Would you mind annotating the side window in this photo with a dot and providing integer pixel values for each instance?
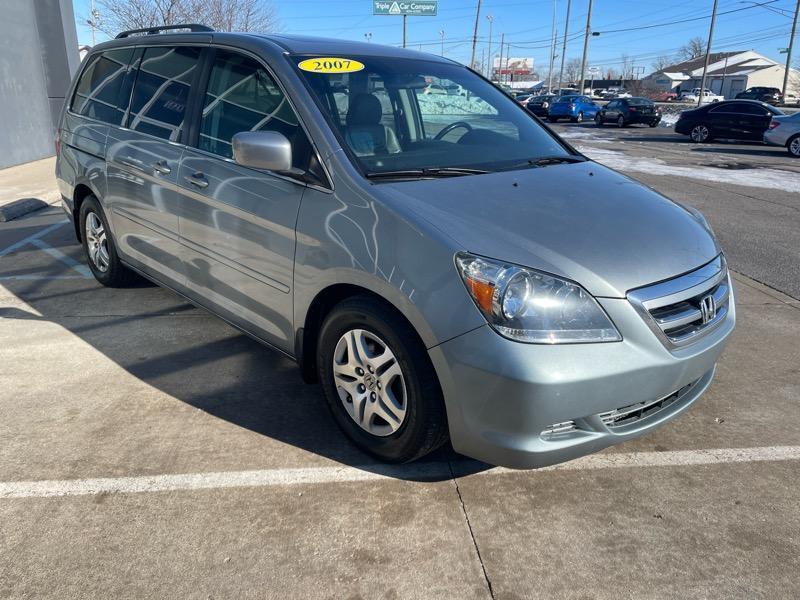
(104, 88)
(612, 105)
(753, 109)
(243, 96)
(158, 104)
(726, 109)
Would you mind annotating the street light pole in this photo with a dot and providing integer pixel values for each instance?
(500, 64)
(490, 18)
(708, 53)
(552, 50)
(441, 35)
(586, 45)
(564, 47)
(789, 51)
(405, 18)
(475, 35)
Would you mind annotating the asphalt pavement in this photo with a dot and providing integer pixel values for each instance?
(148, 450)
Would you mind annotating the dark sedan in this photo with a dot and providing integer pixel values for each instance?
(770, 95)
(731, 119)
(629, 111)
(540, 105)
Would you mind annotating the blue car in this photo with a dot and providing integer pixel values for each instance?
(575, 108)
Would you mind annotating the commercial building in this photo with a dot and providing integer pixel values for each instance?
(38, 57)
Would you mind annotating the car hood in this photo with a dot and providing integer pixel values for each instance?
(580, 221)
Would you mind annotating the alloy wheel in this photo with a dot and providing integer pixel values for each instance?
(370, 382)
(794, 147)
(579, 118)
(621, 121)
(699, 133)
(96, 242)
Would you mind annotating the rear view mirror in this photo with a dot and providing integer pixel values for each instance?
(268, 150)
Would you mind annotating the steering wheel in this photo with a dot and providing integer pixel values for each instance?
(451, 127)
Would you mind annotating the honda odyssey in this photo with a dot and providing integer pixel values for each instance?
(445, 266)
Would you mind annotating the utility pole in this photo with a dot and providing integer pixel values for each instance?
(564, 47)
(93, 22)
(441, 35)
(475, 35)
(552, 49)
(708, 53)
(500, 64)
(586, 45)
(789, 51)
(490, 18)
(405, 18)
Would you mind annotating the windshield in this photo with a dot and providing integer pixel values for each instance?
(399, 114)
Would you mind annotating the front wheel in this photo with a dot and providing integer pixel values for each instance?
(379, 382)
(621, 122)
(598, 120)
(578, 118)
(653, 123)
(700, 133)
(793, 146)
(98, 244)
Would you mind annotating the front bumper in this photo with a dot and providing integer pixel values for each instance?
(503, 397)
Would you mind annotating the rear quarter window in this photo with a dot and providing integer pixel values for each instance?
(104, 87)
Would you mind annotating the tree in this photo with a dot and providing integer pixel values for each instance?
(572, 70)
(222, 15)
(626, 67)
(694, 48)
(662, 62)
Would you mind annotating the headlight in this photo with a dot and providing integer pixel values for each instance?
(529, 306)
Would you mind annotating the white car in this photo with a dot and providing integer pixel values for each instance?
(623, 94)
(708, 96)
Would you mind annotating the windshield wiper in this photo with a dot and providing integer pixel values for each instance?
(547, 160)
(426, 172)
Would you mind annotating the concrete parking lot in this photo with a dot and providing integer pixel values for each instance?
(149, 450)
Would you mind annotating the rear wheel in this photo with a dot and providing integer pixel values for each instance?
(598, 120)
(700, 133)
(793, 145)
(653, 123)
(621, 121)
(379, 382)
(98, 244)
(578, 118)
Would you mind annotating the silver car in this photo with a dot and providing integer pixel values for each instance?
(785, 131)
(444, 266)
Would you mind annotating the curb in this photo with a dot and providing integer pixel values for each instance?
(17, 208)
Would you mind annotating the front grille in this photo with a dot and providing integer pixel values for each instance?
(683, 309)
(557, 429)
(628, 415)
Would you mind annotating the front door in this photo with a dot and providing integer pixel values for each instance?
(143, 160)
(237, 224)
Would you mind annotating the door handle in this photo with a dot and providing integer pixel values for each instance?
(162, 167)
(198, 180)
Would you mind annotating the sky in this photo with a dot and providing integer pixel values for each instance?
(643, 29)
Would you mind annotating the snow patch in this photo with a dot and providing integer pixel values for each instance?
(772, 179)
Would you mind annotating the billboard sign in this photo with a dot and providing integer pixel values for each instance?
(416, 8)
(513, 66)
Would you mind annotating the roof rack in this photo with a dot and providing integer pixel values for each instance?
(193, 27)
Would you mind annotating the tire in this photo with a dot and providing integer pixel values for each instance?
(99, 246)
(578, 118)
(793, 146)
(700, 133)
(598, 120)
(621, 122)
(552, 119)
(406, 380)
(653, 123)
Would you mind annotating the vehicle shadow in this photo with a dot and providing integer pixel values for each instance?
(198, 359)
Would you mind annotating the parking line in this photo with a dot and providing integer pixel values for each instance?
(60, 256)
(30, 238)
(380, 472)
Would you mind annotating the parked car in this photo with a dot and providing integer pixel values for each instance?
(523, 98)
(663, 96)
(629, 111)
(574, 108)
(478, 279)
(623, 94)
(770, 95)
(694, 96)
(731, 119)
(784, 130)
(540, 105)
(791, 99)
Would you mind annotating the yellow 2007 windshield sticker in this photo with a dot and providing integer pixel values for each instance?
(330, 64)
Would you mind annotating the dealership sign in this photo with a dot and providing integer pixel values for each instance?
(418, 8)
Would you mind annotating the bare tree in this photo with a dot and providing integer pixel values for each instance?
(222, 15)
(662, 62)
(626, 67)
(572, 70)
(694, 48)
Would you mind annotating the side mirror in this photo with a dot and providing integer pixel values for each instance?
(268, 150)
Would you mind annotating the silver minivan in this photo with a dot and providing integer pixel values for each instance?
(444, 265)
